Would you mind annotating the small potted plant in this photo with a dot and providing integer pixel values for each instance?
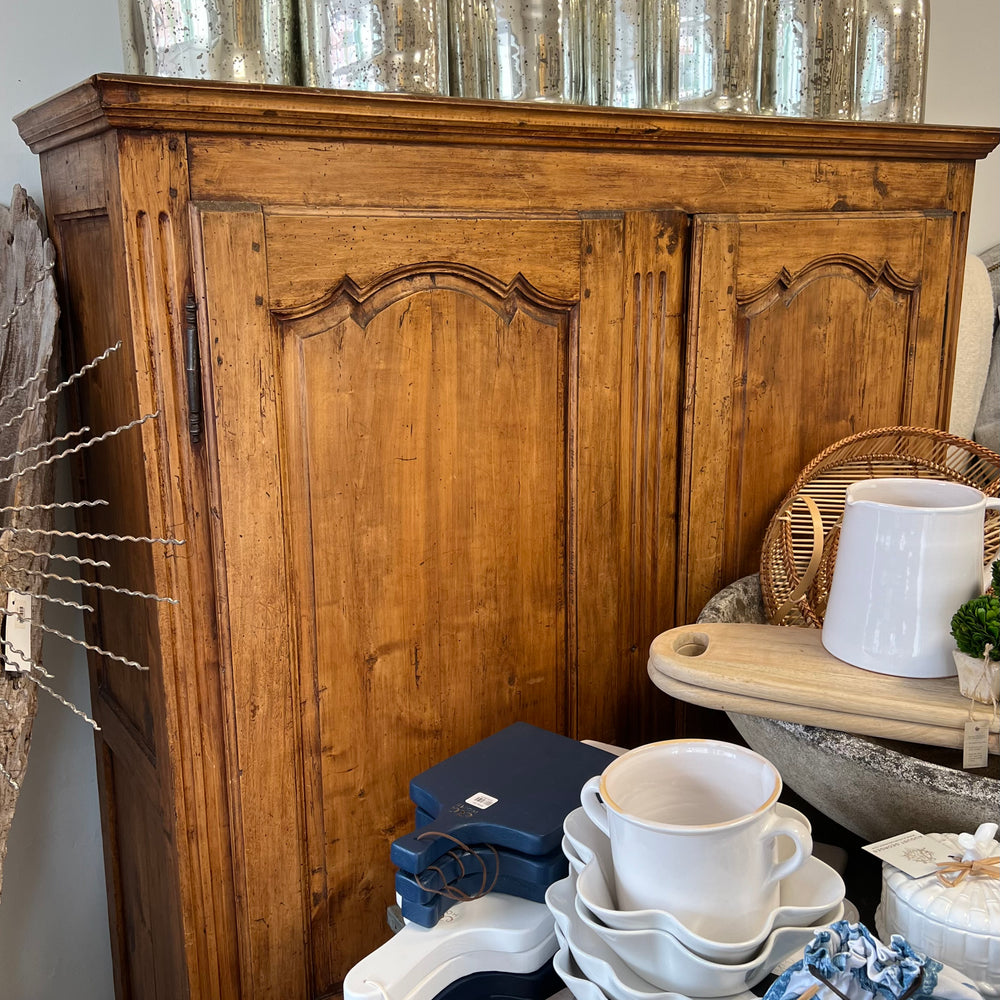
(976, 630)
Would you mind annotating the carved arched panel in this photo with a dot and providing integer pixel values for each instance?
(805, 339)
(803, 330)
(432, 418)
(445, 501)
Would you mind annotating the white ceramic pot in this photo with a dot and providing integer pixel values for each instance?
(977, 678)
(807, 895)
(694, 831)
(910, 552)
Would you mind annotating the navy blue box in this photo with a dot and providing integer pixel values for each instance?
(512, 789)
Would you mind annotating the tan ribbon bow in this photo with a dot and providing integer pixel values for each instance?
(953, 872)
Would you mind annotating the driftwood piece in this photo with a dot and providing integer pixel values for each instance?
(28, 366)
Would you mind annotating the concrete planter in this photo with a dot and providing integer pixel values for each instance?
(978, 679)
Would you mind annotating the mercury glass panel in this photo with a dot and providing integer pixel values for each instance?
(892, 60)
(660, 24)
(253, 41)
(807, 58)
(613, 43)
(517, 50)
(718, 55)
(398, 46)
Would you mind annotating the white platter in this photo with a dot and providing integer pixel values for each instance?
(496, 933)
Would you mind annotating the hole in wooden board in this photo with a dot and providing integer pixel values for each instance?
(691, 644)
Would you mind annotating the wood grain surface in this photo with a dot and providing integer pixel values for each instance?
(785, 673)
(493, 395)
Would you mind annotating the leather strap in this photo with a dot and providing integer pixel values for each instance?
(825, 983)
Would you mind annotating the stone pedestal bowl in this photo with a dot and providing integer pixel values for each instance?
(875, 788)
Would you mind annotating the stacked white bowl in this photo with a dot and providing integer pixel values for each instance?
(608, 952)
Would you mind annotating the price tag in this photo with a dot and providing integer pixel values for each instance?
(17, 633)
(914, 853)
(481, 800)
(975, 746)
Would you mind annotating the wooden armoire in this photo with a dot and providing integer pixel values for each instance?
(458, 405)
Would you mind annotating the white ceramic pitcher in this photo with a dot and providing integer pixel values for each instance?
(910, 554)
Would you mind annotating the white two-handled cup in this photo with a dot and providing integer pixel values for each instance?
(694, 832)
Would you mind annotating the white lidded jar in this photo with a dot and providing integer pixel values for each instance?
(959, 925)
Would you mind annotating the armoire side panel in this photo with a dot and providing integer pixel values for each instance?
(146, 922)
(106, 395)
(151, 964)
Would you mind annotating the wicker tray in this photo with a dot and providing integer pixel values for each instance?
(800, 544)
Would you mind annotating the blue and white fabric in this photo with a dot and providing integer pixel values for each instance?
(858, 966)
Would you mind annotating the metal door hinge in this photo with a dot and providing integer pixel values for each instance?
(192, 365)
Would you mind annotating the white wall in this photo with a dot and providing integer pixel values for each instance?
(53, 916)
(54, 940)
(963, 88)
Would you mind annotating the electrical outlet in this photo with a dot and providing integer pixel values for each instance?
(17, 633)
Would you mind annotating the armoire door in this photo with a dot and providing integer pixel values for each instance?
(804, 329)
(445, 500)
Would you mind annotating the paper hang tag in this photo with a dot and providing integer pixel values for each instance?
(976, 744)
(913, 853)
(17, 633)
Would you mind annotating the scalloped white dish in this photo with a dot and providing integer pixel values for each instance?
(661, 959)
(575, 861)
(571, 974)
(601, 965)
(808, 895)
